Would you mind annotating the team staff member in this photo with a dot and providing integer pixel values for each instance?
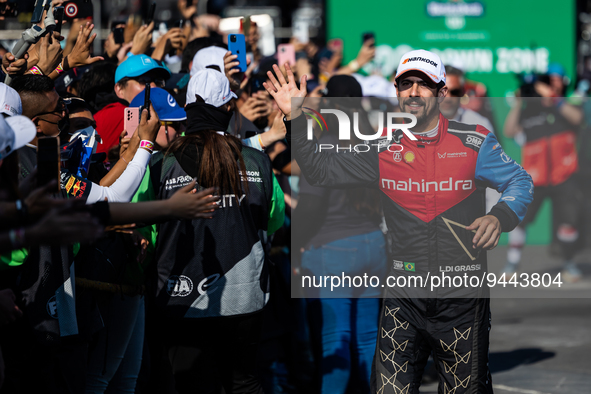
(431, 191)
(211, 276)
(546, 124)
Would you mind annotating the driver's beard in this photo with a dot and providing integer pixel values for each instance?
(426, 116)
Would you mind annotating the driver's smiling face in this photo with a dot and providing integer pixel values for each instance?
(418, 96)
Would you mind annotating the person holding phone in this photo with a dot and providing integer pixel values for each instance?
(131, 77)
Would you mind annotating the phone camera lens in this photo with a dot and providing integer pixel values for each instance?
(233, 38)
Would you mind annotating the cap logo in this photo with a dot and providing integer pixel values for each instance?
(420, 59)
(10, 109)
(171, 101)
(405, 61)
(71, 10)
(146, 60)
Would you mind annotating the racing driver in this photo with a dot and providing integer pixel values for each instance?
(433, 197)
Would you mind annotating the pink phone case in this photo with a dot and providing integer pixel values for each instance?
(285, 54)
(131, 120)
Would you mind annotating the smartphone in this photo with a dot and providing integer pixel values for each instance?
(151, 12)
(118, 35)
(286, 54)
(131, 120)
(58, 14)
(237, 46)
(48, 161)
(300, 31)
(146, 101)
(368, 36)
(178, 24)
(256, 83)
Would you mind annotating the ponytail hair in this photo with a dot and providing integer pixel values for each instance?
(221, 161)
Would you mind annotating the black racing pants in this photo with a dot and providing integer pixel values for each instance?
(208, 354)
(454, 331)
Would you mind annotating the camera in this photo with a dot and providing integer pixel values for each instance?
(527, 83)
(233, 38)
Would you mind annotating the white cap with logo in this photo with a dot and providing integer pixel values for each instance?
(212, 86)
(15, 132)
(423, 61)
(10, 101)
(208, 56)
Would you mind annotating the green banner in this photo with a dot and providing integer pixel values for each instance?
(492, 40)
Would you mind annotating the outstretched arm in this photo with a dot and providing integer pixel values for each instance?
(184, 204)
(330, 169)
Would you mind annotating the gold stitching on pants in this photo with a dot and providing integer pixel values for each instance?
(458, 359)
(398, 324)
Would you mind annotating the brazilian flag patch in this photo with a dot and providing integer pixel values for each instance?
(409, 267)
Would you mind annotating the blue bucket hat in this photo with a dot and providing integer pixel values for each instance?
(138, 65)
(164, 104)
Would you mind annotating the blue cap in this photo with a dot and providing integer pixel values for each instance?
(556, 69)
(164, 104)
(138, 65)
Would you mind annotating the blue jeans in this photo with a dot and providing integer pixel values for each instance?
(116, 359)
(359, 255)
(346, 328)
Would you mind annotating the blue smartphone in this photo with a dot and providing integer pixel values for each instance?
(237, 46)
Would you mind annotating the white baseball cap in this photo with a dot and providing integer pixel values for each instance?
(212, 86)
(10, 101)
(424, 61)
(209, 56)
(15, 132)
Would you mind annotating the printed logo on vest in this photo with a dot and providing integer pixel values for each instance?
(51, 307)
(179, 286)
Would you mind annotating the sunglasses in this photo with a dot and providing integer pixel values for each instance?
(456, 92)
(144, 80)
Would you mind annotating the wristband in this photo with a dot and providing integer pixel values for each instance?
(21, 211)
(59, 69)
(354, 65)
(261, 142)
(35, 70)
(17, 238)
(147, 145)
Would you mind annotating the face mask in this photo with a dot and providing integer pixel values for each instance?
(64, 125)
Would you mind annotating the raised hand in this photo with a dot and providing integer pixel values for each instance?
(254, 108)
(13, 66)
(283, 91)
(148, 128)
(50, 54)
(80, 55)
(142, 39)
(173, 39)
